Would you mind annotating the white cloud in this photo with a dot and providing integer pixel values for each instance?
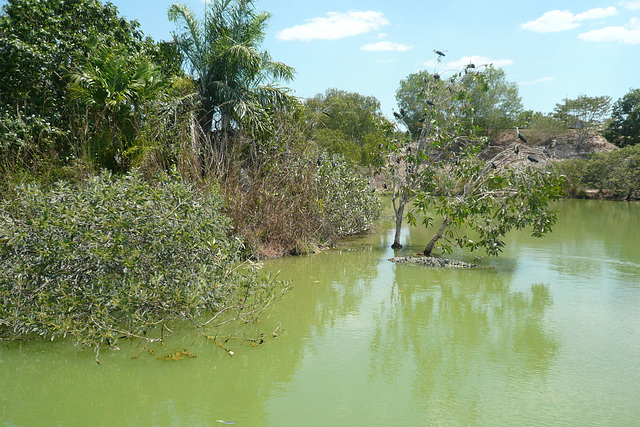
(561, 20)
(466, 60)
(542, 80)
(556, 20)
(632, 5)
(597, 13)
(386, 46)
(629, 34)
(335, 26)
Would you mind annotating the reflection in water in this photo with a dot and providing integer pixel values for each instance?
(458, 329)
(547, 334)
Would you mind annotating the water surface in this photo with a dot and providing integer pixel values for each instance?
(547, 334)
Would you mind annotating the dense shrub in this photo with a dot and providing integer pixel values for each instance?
(349, 202)
(616, 170)
(292, 202)
(118, 257)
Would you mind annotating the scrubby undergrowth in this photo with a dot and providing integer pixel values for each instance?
(119, 257)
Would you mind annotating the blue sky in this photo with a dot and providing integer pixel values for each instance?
(551, 49)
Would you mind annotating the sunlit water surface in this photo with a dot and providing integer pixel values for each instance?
(546, 334)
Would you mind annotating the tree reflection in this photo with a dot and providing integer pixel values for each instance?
(460, 334)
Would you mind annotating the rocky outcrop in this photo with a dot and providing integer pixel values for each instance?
(429, 261)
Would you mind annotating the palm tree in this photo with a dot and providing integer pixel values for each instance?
(236, 81)
(114, 89)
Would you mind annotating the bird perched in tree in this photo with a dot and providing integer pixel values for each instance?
(439, 52)
(545, 151)
(532, 159)
(402, 112)
(396, 115)
(493, 166)
(516, 149)
(436, 76)
(521, 136)
(430, 103)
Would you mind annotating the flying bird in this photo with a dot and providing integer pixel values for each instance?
(521, 136)
(439, 52)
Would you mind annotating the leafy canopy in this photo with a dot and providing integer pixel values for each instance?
(624, 129)
(236, 80)
(346, 123)
(474, 194)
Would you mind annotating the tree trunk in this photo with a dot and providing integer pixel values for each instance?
(399, 216)
(436, 237)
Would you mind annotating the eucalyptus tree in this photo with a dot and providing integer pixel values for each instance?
(237, 82)
(474, 194)
(584, 113)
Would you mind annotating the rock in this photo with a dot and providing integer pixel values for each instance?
(433, 262)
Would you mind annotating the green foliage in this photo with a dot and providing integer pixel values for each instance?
(583, 113)
(40, 42)
(114, 89)
(624, 129)
(236, 80)
(118, 257)
(495, 101)
(617, 170)
(483, 96)
(347, 124)
(350, 206)
(291, 198)
(39, 39)
(479, 205)
(448, 174)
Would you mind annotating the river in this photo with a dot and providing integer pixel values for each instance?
(546, 334)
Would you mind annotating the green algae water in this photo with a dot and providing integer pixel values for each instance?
(546, 334)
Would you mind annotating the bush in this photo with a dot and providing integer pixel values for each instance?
(290, 202)
(616, 170)
(118, 257)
